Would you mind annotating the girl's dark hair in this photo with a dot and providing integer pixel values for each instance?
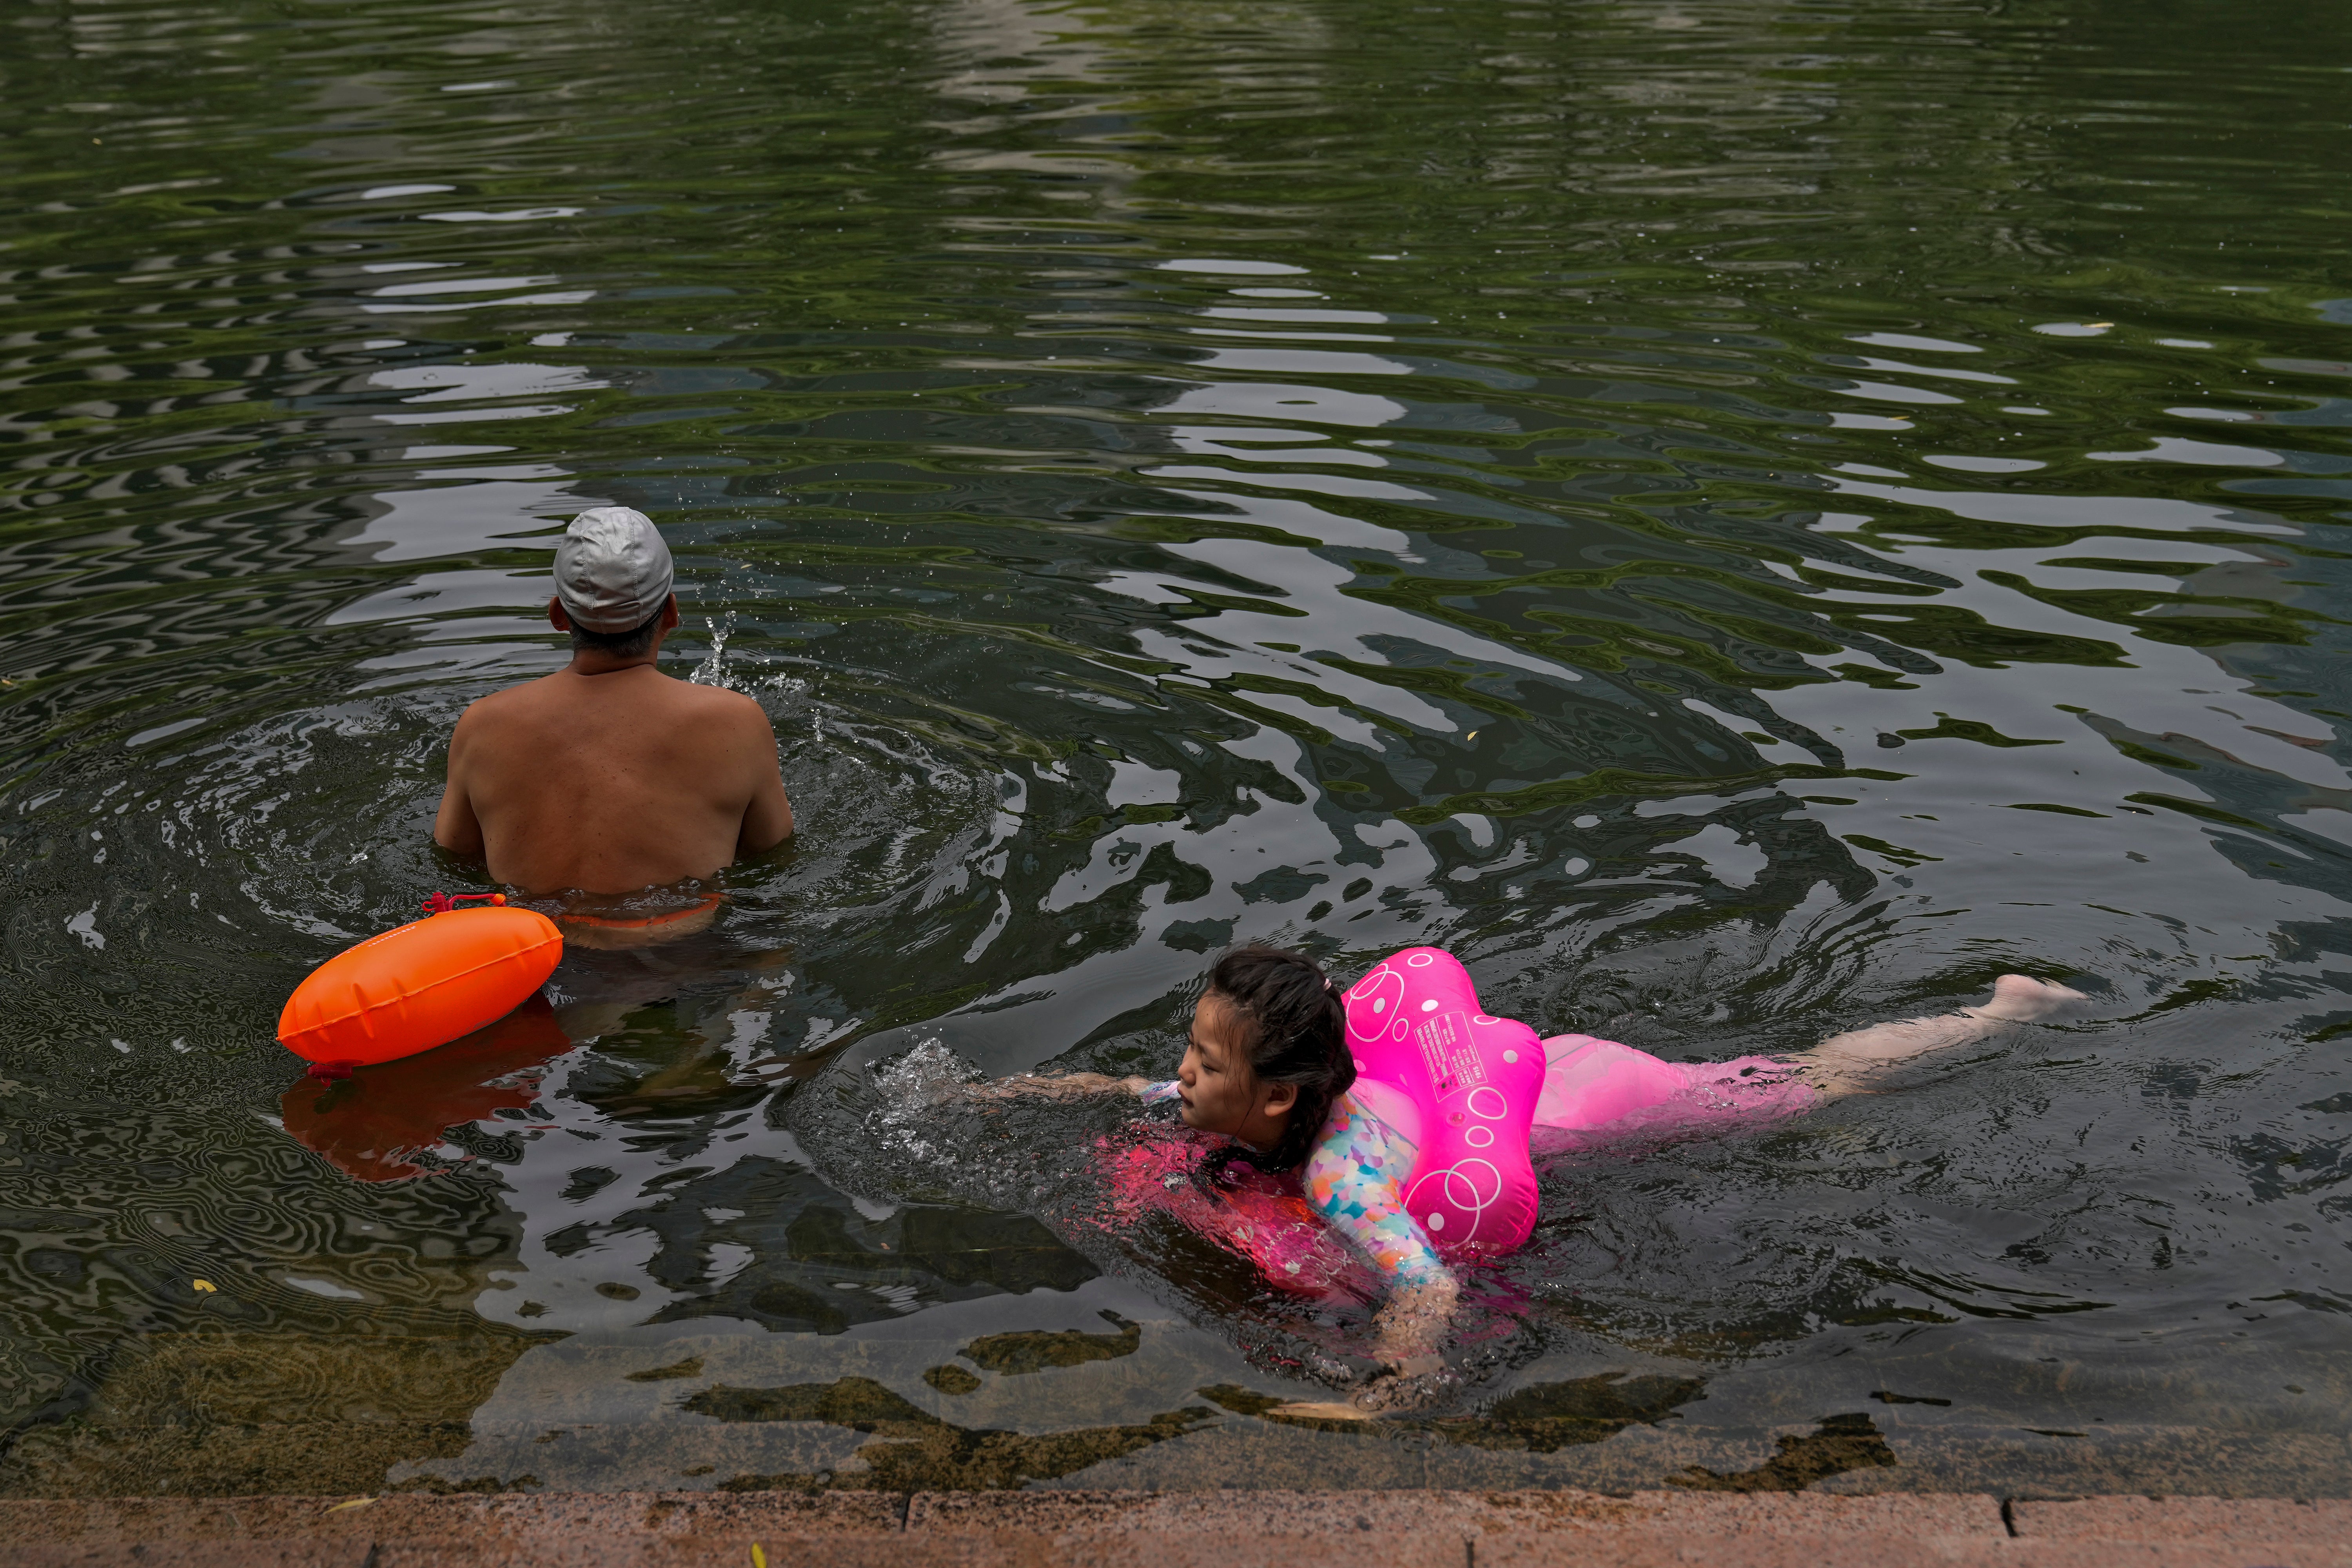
(1296, 1033)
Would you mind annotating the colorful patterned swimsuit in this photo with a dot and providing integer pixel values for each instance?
(1355, 1178)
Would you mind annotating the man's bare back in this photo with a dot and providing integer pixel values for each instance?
(609, 777)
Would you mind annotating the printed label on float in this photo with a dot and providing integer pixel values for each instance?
(1446, 1050)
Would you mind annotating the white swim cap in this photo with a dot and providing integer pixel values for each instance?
(612, 569)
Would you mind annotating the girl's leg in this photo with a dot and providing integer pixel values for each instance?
(1845, 1064)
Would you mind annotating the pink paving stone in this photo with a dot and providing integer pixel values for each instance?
(1196, 1529)
(2322, 1524)
(1466, 1513)
(844, 1530)
(2029, 1553)
(1229, 1514)
(734, 1550)
(1905, 1514)
(1451, 1530)
(1670, 1549)
(346, 1553)
(1757, 1531)
(475, 1518)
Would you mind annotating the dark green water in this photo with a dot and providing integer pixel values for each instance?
(1739, 519)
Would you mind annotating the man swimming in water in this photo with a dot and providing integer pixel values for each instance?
(609, 778)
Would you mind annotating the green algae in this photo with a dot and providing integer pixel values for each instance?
(916, 1451)
(1034, 1350)
(1840, 1443)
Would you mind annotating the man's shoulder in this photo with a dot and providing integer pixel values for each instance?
(716, 704)
(510, 701)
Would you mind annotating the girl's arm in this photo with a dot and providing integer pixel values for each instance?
(1351, 1178)
(1059, 1086)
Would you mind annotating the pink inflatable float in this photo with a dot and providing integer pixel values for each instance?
(1468, 1083)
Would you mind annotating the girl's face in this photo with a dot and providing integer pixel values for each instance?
(1219, 1091)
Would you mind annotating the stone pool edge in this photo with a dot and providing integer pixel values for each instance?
(1178, 1529)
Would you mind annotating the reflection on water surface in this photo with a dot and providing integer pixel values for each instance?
(1738, 519)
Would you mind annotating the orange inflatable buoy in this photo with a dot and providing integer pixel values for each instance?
(419, 985)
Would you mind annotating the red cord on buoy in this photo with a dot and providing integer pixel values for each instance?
(442, 903)
(328, 1071)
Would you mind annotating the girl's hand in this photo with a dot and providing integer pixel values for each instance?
(1411, 1385)
(1412, 1323)
(1406, 1335)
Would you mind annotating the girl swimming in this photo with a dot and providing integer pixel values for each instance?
(1269, 1065)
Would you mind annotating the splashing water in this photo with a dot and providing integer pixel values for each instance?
(713, 669)
(911, 1095)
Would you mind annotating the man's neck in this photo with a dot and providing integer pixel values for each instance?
(588, 661)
